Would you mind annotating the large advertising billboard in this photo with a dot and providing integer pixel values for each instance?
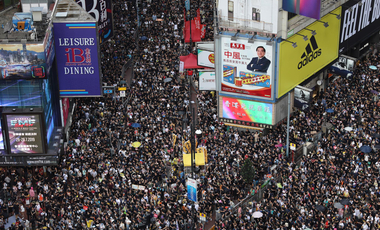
(25, 134)
(298, 64)
(77, 54)
(360, 19)
(308, 8)
(206, 58)
(247, 68)
(101, 10)
(246, 112)
(49, 48)
(259, 15)
(22, 61)
(302, 97)
(207, 80)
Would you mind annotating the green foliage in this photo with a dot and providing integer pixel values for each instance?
(247, 171)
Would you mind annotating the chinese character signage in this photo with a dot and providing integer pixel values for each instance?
(101, 10)
(246, 112)
(22, 61)
(246, 68)
(25, 133)
(77, 59)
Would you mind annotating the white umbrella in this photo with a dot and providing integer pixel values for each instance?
(349, 129)
(257, 214)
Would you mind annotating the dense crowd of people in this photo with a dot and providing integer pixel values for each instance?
(104, 181)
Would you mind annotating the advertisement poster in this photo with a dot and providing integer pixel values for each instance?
(309, 56)
(302, 97)
(308, 8)
(207, 80)
(22, 61)
(360, 19)
(206, 58)
(246, 111)
(65, 109)
(49, 49)
(77, 59)
(25, 134)
(192, 189)
(247, 68)
(101, 10)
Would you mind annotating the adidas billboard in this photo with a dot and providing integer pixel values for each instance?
(308, 57)
(311, 53)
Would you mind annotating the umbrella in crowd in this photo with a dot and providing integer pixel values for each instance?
(366, 149)
(320, 208)
(168, 79)
(257, 214)
(349, 129)
(136, 125)
(345, 202)
(372, 67)
(136, 144)
(329, 110)
(338, 205)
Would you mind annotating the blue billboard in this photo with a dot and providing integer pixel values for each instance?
(76, 49)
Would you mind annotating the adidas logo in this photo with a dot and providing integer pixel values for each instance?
(311, 53)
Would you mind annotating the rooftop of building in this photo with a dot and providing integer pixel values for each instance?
(20, 36)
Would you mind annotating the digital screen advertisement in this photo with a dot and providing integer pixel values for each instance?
(101, 10)
(206, 58)
(77, 54)
(308, 8)
(49, 49)
(1, 138)
(207, 80)
(25, 134)
(22, 61)
(246, 112)
(247, 67)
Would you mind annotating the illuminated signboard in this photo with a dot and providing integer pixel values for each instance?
(247, 68)
(246, 112)
(25, 133)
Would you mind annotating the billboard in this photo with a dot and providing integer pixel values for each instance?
(302, 97)
(246, 112)
(309, 56)
(191, 189)
(65, 102)
(22, 61)
(1, 138)
(207, 80)
(259, 15)
(77, 54)
(247, 68)
(24, 133)
(49, 48)
(206, 58)
(308, 8)
(101, 10)
(360, 19)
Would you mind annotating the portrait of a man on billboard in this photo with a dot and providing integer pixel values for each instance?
(259, 63)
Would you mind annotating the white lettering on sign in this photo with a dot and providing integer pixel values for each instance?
(76, 41)
(358, 17)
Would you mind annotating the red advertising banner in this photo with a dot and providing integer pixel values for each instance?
(65, 109)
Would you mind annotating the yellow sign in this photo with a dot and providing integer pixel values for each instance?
(298, 64)
(122, 88)
(174, 139)
(292, 146)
